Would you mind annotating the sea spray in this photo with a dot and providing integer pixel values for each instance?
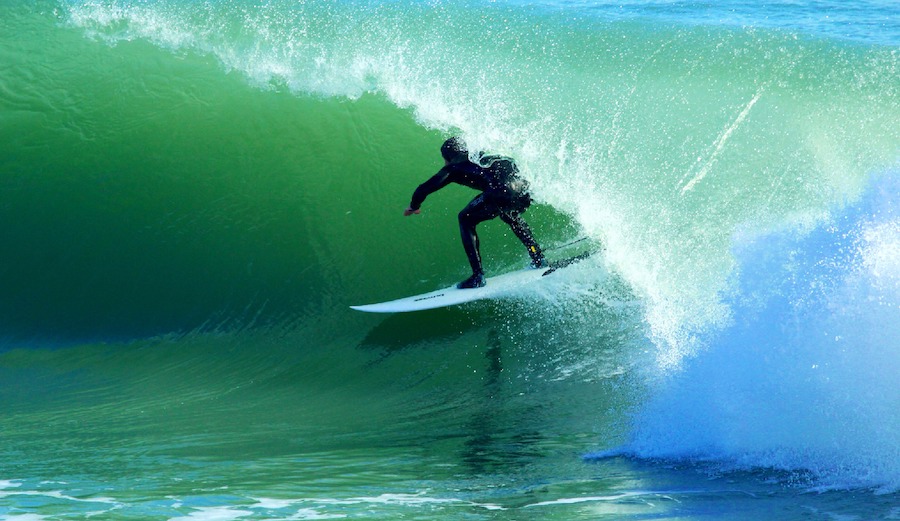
(805, 377)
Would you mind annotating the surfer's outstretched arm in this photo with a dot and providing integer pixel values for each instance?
(435, 183)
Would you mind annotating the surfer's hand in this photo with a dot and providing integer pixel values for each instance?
(410, 211)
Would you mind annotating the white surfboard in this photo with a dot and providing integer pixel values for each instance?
(496, 287)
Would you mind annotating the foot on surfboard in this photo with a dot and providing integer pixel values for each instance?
(475, 281)
(540, 263)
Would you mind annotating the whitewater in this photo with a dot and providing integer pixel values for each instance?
(195, 192)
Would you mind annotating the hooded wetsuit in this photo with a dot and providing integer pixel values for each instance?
(504, 194)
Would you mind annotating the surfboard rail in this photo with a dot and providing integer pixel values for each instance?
(496, 286)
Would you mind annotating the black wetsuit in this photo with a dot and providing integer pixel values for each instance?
(504, 194)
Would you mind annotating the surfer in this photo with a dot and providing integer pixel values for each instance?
(503, 194)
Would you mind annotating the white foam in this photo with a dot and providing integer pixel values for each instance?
(216, 514)
(806, 377)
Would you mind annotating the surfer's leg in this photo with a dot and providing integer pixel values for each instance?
(523, 232)
(475, 212)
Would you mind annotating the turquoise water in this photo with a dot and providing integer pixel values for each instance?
(195, 192)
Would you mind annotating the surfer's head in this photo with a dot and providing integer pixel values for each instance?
(454, 150)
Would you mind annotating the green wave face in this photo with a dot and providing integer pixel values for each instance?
(188, 162)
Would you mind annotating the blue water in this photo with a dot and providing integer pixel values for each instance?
(868, 22)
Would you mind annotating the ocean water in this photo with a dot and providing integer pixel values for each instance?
(193, 193)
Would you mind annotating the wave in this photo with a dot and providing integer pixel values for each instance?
(215, 166)
(658, 141)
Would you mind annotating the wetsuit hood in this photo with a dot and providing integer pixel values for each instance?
(454, 150)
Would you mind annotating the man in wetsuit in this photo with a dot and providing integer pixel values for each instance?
(503, 194)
